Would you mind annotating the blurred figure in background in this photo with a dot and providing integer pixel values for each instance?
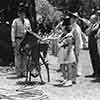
(40, 26)
(91, 31)
(77, 34)
(19, 28)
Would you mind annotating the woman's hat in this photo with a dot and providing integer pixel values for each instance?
(73, 15)
(66, 21)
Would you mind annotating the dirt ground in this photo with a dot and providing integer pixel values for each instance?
(86, 88)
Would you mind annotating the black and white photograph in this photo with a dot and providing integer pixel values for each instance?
(49, 49)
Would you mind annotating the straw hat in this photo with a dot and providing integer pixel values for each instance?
(66, 21)
(74, 15)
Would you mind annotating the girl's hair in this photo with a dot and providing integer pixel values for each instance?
(66, 22)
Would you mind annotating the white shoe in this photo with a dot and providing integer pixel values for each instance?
(68, 83)
(79, 74)
(63, 82)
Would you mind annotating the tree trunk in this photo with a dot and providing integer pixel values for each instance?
(34, 15)
(31, 13)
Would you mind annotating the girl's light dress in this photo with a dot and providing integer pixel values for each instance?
(66, 55)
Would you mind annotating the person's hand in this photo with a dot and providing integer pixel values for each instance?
(69, 40)
(13, 44)
(77, 55)
(96, 36)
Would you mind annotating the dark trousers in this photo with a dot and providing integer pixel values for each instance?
(94, 55)
(95, 62)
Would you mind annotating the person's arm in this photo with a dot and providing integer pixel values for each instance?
(98, 34)
(95, 27)
(91, 28)
(28, 24)
(77, 40)
(88, 30)
(13, 31)
(59, 25)
(86, 21)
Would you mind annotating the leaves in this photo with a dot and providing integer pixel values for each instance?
(47, 10)
(81, 6)
(66, 4)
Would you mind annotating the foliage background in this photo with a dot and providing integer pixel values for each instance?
(84, 7)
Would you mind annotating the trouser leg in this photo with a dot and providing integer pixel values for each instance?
(98, 46)
(94, 55)
(98, 51)
(18, 65)
(19, 68)
(69, 71)
(45, 50)
(63, 71)
(95, 61)
(74, 72)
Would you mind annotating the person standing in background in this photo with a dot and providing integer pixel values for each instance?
(19, 28)
(91, 31)
(76, 31)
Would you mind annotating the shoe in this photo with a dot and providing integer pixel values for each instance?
(21, 76)
(63, 82)
(62, 75)
(58, 70)
(68, 83)
(90, 76)
(79, 74)
(74, 82)
(97, 75)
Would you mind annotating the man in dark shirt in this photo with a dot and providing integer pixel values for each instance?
(92, 43)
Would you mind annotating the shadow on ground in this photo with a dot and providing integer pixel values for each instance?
(30, 83)
(13, 77)
(96, 80)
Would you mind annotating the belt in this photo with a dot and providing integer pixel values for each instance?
(66, 45)
(18, 37)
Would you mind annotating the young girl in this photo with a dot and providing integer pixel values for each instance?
(66, 55)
